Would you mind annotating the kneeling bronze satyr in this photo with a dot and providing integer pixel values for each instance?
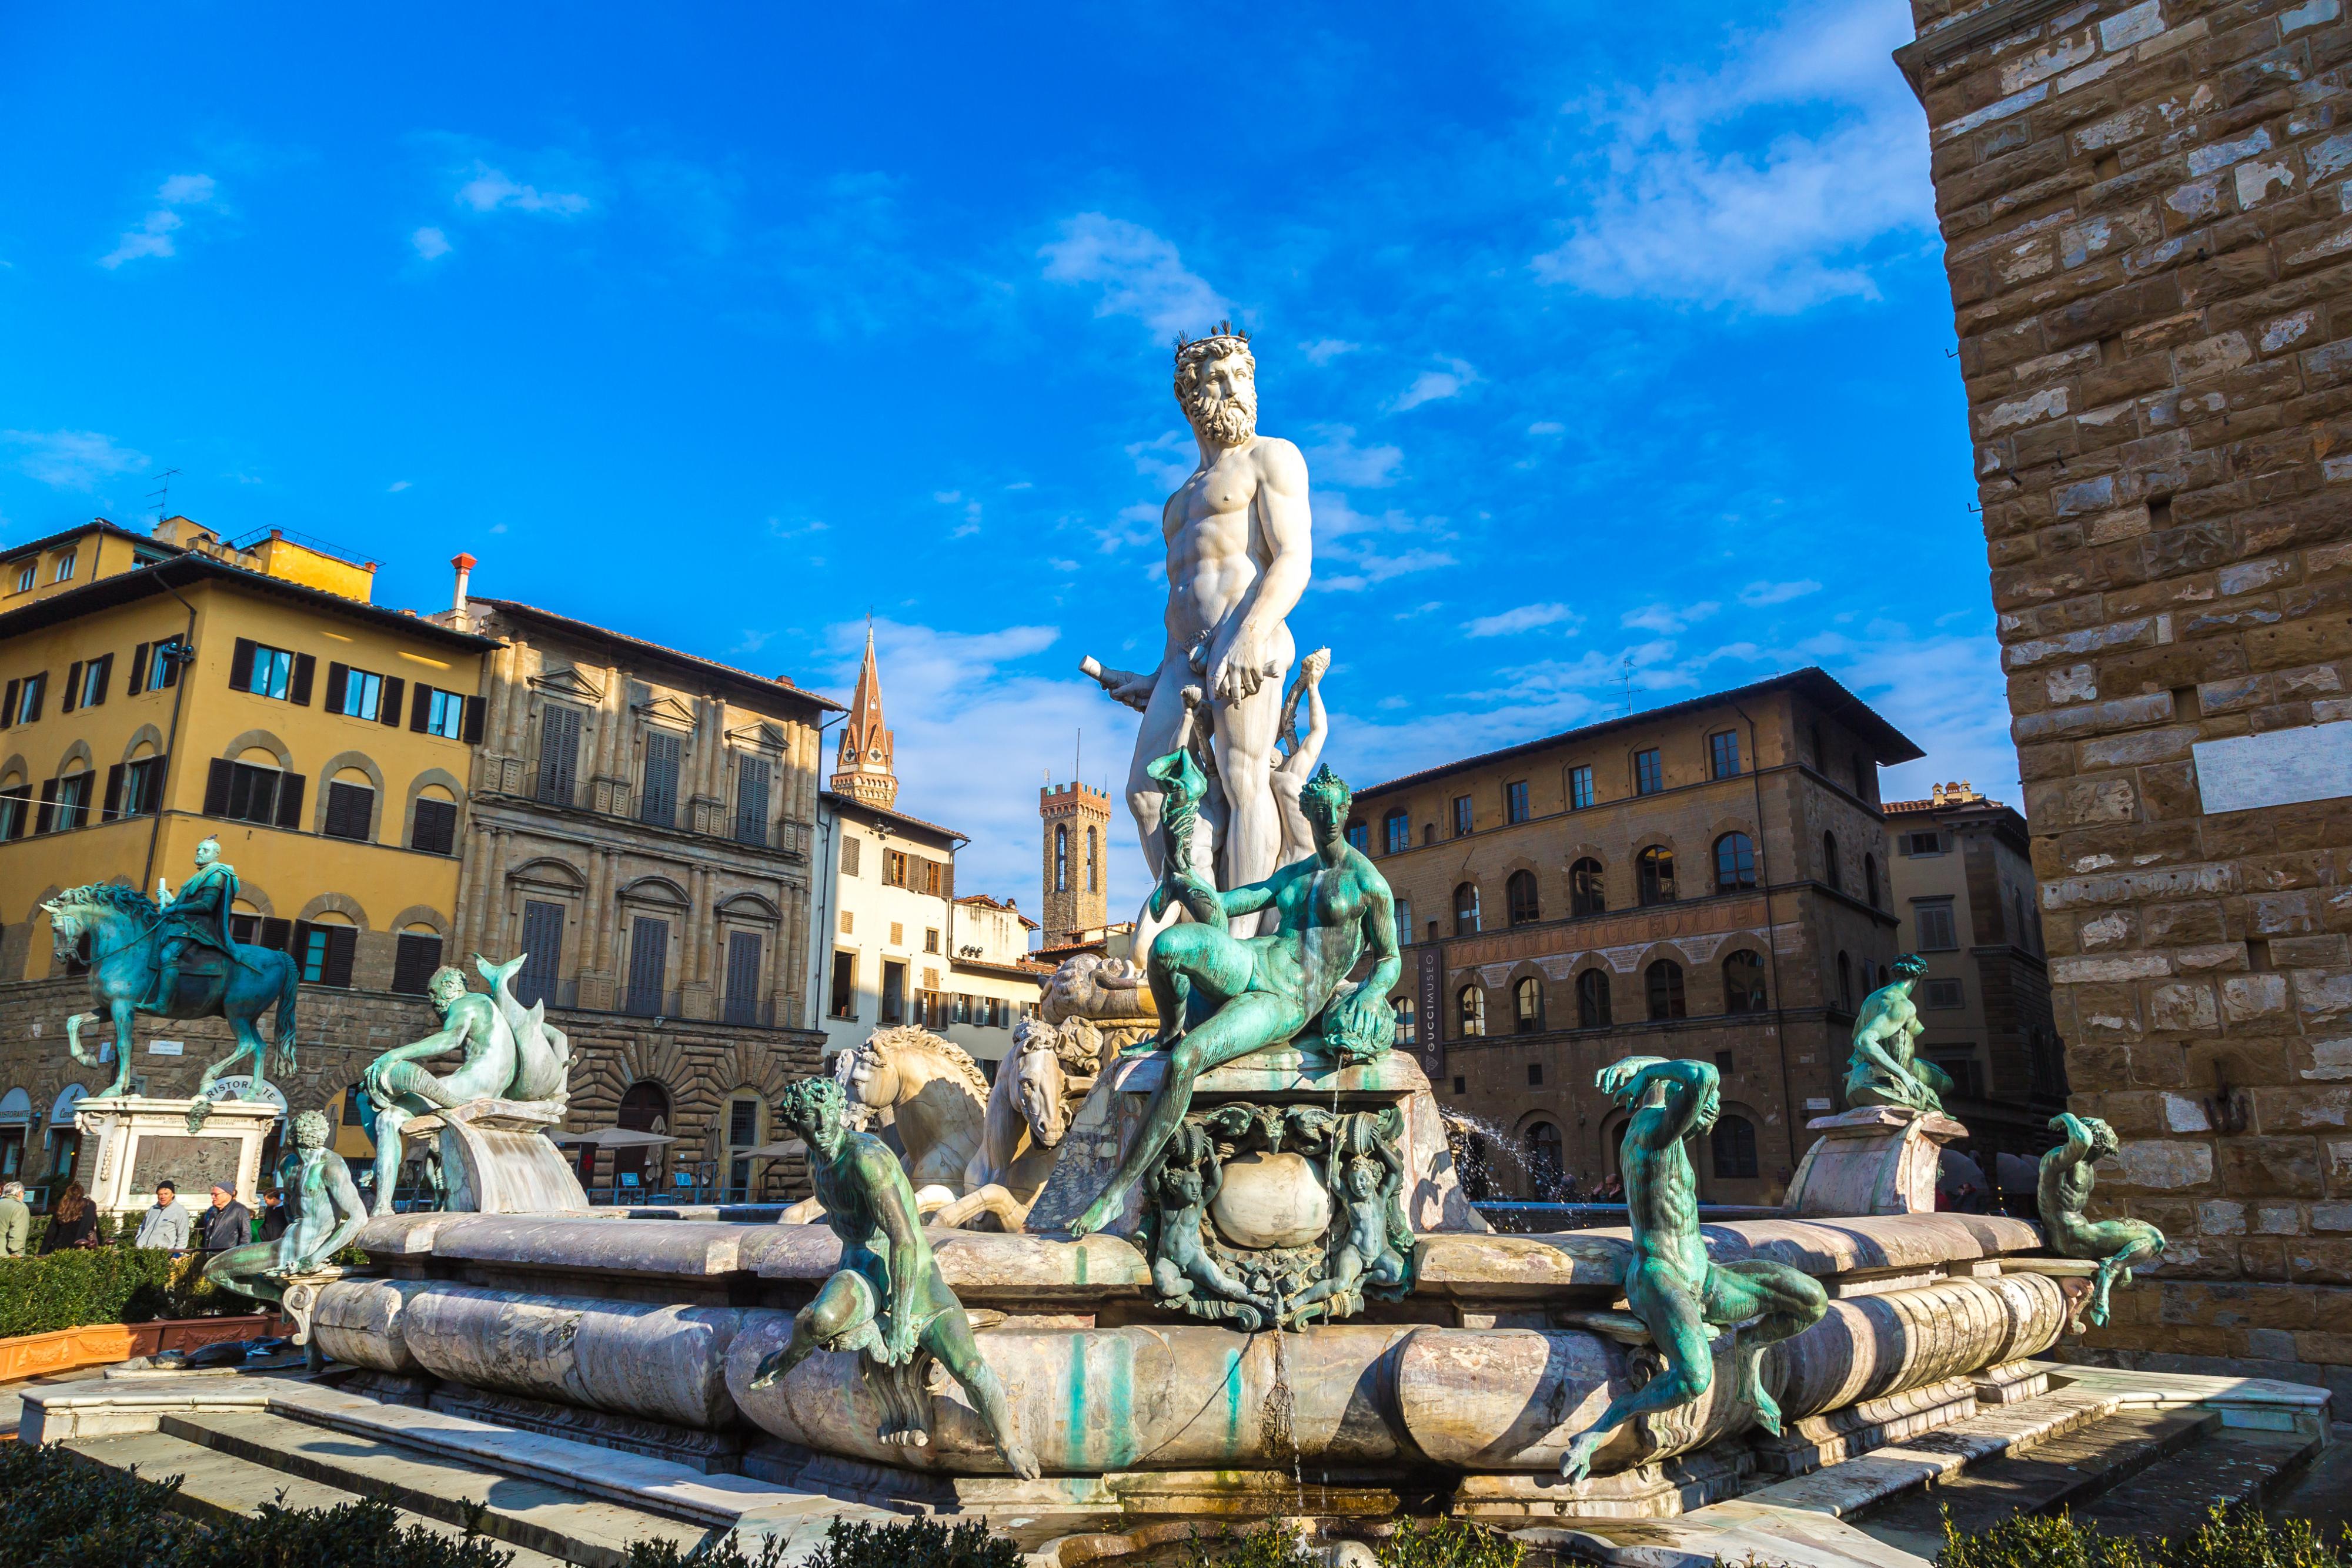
(1348, 1173)
(2064, 1191)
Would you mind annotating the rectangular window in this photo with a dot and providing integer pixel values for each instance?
(558, 753)
(1405, 922)
(262, 669)
(741, 1005)
(894, 993)
(849, 857)
(1462, 818)
(930, 939)
(134, 788)
(22, 704)
(894, 868)
(1535, 1074)
(325, 952)
(542, 947)
(962, 1013)
(444, 713)
(415, 957)
(648, 966)
(159, 666)
(355, 694)
(90, 682)
(752, 801)
(1396, 829)
(1580, 788)
(351, 811)
(1934, 920)
(842, 1003)
(1941, 995)
(1515, 802)
(65, 802)
(1923, 843)
(658, 803)
(249, 794)
(15, 813)
(1649, 774)
(436, 829)
(1723, 754)
(1360, 837)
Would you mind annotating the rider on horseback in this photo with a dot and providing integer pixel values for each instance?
(197, 917)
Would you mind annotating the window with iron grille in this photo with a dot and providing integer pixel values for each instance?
(1649, 773)
(1723, 754)
(1580, 788)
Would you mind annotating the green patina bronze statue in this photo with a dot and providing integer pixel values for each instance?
(2062, 1192)
(1885, 1068)
(327, 1211)
(888, 1302)
(1269, 989)
(1671, 1284)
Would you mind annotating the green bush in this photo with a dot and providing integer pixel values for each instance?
(106, 1285)
(1440, 1543)
(2232, 1538)
(63, 1512)
(910, 1543)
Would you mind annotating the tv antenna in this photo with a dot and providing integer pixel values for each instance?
(161, 493)
(1625, 673)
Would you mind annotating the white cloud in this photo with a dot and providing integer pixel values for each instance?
(490, 190)
(1135, 524)
(1136, 272)
(1668, 618)
(153, 237)
(1167, 459)
(1435, 386)
(1763, 593)
(1355, 550)
(753, 642)
(1374, 568)
(397, 485)
(72, 459)
(1547, 427)
(1525, 618)
(1323, 351)
(430, 243)
(1335, 458)
(1763, 184)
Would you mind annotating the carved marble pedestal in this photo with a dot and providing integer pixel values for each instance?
(140, 1141)
(495, 1158)
(1873, 1159)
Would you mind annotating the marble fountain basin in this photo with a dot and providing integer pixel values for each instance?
(1504, 1348)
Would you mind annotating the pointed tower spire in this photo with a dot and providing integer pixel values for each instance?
(864, 769)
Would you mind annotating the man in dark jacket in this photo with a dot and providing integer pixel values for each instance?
(275, 1216)
(226, 1224)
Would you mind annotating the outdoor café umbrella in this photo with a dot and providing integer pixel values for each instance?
(616, 1138)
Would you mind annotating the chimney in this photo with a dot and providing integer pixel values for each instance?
(465, 565)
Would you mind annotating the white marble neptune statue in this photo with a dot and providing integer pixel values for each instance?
(1239, 549)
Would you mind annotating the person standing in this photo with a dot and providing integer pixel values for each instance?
(226, 1224)
(274, 1216)
(72, 1223)
(16, 1220)
(164, 1227)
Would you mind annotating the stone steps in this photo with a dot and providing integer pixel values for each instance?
(2231, 1466)
(215, 1485)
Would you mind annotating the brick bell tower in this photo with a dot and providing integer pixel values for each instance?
(1076, 829)
(864, 769)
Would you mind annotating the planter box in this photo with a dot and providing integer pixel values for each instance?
(100, 1344)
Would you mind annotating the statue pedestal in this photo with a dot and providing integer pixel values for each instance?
(141, 1141)
(1873, 1159)
(1279, 1075)
(495, 1158)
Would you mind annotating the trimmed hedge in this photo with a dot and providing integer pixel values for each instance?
(64, 1512)
(106, 1285)
(2237, 1538)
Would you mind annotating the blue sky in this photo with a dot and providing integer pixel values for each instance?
(1609, 332)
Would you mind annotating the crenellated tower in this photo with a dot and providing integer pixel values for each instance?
(1077, 824)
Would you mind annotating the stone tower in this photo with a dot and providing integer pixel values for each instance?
(1076, 826)
(864, 770)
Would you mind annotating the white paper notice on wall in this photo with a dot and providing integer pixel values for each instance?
(2277, 768)
(165, 1047)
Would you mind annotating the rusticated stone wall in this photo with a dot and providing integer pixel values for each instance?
(2148, 233)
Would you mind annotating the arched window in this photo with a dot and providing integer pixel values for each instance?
(1845, 981)
(1743, 982)
(1592, 1000)
(1525, 904)
(1396, 833)
(1654, 872)
(1407, 1021)
(1735, 863)
(1470, 1011)
(1829, 863)
(1665, 978)
(1734, 1148)
(1465, 910)
(1094, 874)
(1527, 1005)
(645, 1108)
(1061, 858)
(1870, 879)
(1544, 1163)
(1585, 894)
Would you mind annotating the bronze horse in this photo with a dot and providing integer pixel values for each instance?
(122, 925)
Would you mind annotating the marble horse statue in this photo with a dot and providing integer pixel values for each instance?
(887, 1304)
(1037, 1089)
(511, 1053)
(183, 945)
(1673, 1287)
(936, 1094)
(2063, 1191)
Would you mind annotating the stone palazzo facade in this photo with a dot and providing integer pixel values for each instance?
(1706, 880)
(640, 824)
(2149, 231)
